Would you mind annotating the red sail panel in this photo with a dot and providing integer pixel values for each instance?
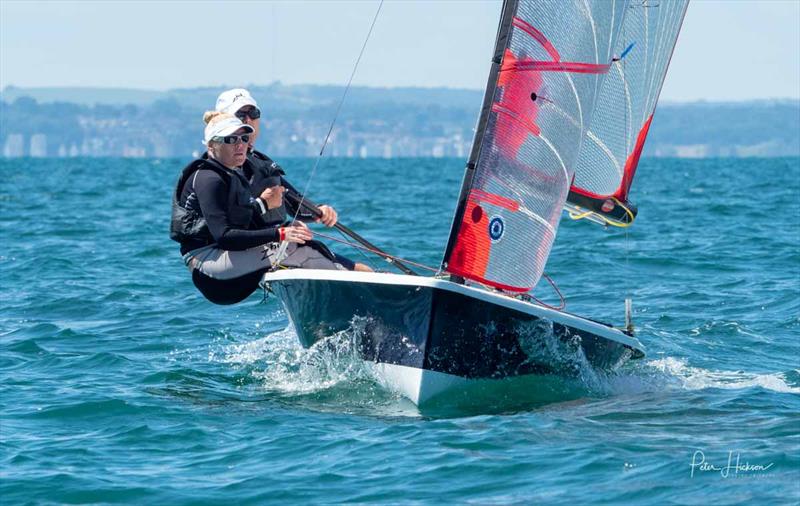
(471, 254)
(633, 161)
(515, 107)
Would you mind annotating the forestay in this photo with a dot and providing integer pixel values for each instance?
(624, 108)
(548, 68)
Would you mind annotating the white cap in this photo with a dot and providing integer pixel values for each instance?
(232, 100)
(228, 125)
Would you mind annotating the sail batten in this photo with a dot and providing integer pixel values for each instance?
(549, 65)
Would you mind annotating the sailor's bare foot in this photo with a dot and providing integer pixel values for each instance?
(362, 268)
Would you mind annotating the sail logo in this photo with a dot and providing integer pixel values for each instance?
(496, 228)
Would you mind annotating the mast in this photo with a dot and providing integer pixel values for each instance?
(501, 42)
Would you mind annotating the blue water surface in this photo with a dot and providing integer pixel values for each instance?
(120, 383)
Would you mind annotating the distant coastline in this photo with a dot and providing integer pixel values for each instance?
(375, 122)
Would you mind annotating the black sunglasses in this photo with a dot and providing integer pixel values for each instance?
(252, 113)
(233, 139)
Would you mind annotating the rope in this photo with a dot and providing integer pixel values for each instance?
(358, 246)
(563, 303)
(605, 219)
(366, 258)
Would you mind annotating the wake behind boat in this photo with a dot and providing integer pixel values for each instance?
(571, 93)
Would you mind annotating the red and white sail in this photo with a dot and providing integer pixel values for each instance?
(551, 60)
(624, 108)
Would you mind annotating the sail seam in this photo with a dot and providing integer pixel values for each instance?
(560, 160)
(605, 149)
(531, 214)
(530, 126)
(476, 195)
(588, 13)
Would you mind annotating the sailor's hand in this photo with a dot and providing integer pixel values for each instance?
(296, 232)
(329, 215)
(273, 196)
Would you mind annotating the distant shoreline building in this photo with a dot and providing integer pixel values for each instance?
(385, 123)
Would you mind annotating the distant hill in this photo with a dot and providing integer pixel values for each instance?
(704, 129)
(384, 122)
(82, 96)
(280, 96)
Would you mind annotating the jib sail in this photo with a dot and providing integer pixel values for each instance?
(624, 110)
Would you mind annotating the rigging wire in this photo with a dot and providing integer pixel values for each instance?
(366, 257)
(626, 271)
(528, 296)
(285, 244)
(562, 305)
(338, 110)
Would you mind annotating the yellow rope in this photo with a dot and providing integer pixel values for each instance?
(606, 220)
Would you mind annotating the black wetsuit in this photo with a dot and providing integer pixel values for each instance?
(231, 213)
(216, 206)
(262, 172)
(213, 205)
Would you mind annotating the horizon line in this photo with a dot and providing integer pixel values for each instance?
(663, 101)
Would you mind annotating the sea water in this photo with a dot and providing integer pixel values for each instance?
(120, 383)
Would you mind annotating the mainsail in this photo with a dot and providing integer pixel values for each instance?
(548, 69)
(624, 110)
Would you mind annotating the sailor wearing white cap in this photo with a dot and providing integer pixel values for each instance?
(241, 104)
(224, 238)
(266, 176)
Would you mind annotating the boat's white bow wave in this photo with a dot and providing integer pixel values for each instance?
(675, 374)
(697, 378)
(281, 366)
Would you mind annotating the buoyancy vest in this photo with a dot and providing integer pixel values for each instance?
(188, 224)
(262, 171)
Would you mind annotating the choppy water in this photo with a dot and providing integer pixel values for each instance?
(121, 384)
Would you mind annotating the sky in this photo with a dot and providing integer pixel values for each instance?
(728, 50)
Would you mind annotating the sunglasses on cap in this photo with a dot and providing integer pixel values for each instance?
(232, 139)
(252, 113)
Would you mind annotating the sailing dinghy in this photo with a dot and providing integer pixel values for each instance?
(571, 93)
